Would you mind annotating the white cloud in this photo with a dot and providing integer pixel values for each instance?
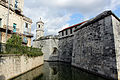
(57, 13)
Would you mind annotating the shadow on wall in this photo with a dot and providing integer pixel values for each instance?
(55, 50)
(2, 77)
(54, 54)
(55, 71)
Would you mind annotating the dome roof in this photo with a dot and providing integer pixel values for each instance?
(40, 21)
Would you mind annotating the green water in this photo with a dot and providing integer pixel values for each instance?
(57, 71)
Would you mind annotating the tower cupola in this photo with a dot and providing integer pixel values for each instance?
(40, 29)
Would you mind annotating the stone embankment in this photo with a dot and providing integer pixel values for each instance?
(14, 65)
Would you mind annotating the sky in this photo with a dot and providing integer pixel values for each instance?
(59, 14)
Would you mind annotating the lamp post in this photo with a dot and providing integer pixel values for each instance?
(7, 21)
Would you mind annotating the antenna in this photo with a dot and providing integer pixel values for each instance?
(40, 19)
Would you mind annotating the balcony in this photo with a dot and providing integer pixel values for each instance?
(27, 32)
(11, 29)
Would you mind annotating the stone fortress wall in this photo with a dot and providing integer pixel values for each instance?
(65, 48)
(94, 46)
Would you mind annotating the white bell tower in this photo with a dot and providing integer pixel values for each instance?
(40, 29)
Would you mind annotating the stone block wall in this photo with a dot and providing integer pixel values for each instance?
(116, 31)
(14, 65)
(94, 48)
(65, 48)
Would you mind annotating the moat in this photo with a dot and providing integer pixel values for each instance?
(57, 71)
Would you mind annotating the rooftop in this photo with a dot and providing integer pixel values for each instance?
(47, 37)
(73, 26)
(99, 17)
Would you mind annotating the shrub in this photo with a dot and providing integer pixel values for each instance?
(15, 40)
(14, 46)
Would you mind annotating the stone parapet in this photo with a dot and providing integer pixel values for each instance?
(14, 65)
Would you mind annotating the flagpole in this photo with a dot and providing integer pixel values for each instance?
(7, 21)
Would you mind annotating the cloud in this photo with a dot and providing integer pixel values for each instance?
(57, 13)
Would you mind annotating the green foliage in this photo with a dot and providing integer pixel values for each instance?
(14, 46)
(15, 40)
(23, 50)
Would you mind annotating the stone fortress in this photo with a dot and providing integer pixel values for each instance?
(93, 45)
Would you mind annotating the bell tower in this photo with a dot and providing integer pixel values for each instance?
(40, 29)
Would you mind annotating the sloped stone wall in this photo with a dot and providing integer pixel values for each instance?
(49, 46)
(14, 65)
(94, 48)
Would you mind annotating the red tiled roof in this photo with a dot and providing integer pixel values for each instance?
(73, 26)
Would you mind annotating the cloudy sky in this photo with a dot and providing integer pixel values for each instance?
(58, 14)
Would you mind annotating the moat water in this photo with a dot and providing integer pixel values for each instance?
(57, 71)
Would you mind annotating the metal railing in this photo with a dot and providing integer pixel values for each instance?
(27, 32)
(10, 28)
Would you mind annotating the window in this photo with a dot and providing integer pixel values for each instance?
(16, 3)
(66, 32)
(71, 31)
(75, 27)
(25, 40)
(39, 26)
(26, 25)
(62, 33)
(0, 22)
(14, 27)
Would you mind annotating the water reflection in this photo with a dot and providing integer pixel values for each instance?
(57, 71)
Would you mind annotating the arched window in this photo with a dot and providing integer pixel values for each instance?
(39, 26)
(26, 25)
(54, 50)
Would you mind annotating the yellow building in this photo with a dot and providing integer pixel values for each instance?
(18, 23)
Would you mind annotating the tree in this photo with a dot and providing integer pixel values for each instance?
(15, 40)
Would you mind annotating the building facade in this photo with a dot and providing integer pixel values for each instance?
(18, 23)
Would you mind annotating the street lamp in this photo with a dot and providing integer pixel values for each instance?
(7, 21)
